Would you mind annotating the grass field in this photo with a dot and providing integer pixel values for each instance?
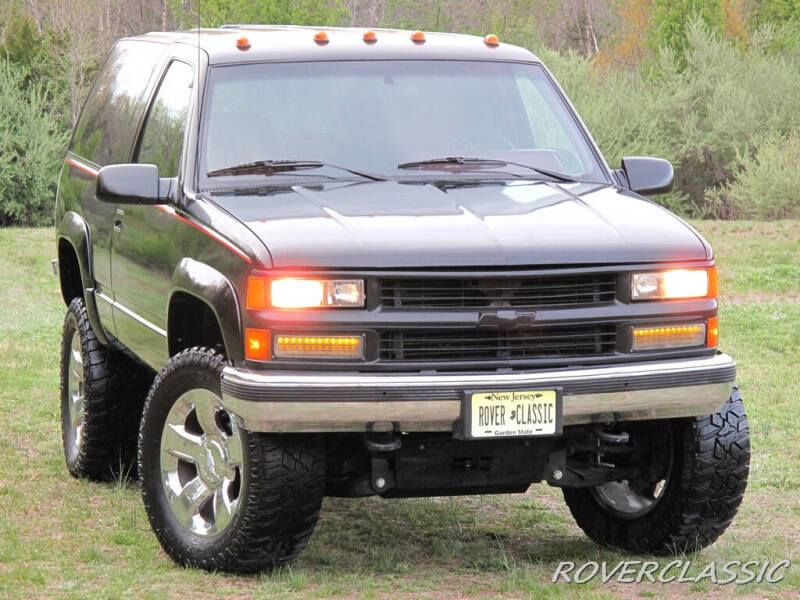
(63, 538)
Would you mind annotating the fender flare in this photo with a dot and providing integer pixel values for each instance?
(74, 230)
(208, 285)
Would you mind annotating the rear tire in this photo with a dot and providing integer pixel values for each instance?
(252, 505)
(705, 484)
(102, 393)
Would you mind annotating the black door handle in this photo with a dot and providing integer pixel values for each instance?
(118, 220)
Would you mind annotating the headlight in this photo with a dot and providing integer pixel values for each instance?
(680, 283)
(304, 293)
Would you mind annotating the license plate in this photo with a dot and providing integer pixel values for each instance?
(512, 413)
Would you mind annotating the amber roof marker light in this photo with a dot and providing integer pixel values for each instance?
(418, 37)
(243, 44)
(369, 37)
(491, 40)
(321, 38)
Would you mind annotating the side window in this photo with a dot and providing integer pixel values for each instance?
(162, 139)
(107, 127)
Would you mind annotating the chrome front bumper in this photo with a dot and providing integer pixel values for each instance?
(324, 402)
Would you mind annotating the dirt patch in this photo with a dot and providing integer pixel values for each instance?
(759, 298)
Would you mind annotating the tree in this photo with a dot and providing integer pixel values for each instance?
(365, 12)
(777, 10)
(670, 17)
(214, 13)
(631, 48)
(20, 40)
(736, 26)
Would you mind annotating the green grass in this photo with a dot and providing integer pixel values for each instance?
(757, 260)
(63, 538)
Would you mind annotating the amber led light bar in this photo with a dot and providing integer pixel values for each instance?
(329, 346)
(669, 336)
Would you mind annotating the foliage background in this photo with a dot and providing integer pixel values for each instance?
(712, 85)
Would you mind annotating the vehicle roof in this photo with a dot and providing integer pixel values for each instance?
(290, 43)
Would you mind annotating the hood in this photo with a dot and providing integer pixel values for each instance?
(389, 224)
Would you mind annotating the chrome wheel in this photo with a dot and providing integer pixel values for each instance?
(202, 462)
(75, 397)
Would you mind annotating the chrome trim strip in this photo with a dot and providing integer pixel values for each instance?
(316, 415)
(319, 381)
(131, 314)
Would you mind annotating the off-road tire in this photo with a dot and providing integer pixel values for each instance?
(281, 493)
(114, 392)
(710, 465)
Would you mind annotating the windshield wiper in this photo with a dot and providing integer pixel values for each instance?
(270, 167)
(488, 162)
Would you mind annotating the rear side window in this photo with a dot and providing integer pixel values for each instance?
(107, 127)
(162, 139)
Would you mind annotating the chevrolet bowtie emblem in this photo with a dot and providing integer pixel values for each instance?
(507, 319)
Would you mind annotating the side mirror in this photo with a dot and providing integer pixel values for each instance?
(648, 175)
(131, 184)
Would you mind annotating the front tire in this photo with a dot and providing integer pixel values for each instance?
(219, 497)
(703, 486)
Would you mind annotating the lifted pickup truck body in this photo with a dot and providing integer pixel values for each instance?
(489, 307)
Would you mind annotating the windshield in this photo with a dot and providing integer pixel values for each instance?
(380, 117)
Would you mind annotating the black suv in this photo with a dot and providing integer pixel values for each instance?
(301, 263)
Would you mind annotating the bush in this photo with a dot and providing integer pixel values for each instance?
(624, 112)
(707, 111)
(766, 185)
(725, 103)
(32, 147)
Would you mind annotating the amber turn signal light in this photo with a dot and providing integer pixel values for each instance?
(712, 336)
(257, 292)
(256, 344)
(713, 288)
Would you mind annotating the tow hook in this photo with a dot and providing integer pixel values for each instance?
(382, 444)
(380, 448)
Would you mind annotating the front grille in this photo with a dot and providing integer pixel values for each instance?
(480, 344)
(546, 290)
